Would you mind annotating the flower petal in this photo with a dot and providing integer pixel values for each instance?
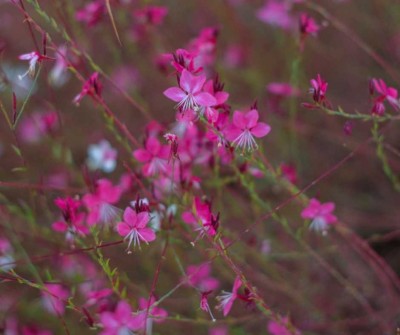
(261, 130)
(175, 94)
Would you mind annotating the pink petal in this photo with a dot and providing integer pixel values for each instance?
(153, 145)
(261, 130)
(142, 219)
(142, 155)
(251, 118)
(130, 216)
(232, 132)
(238, 120)
(123, 229)
(186, 81)
(123, 311)
(175, 94)
(59, 226)
(148, 234)
(197, 83)
(221, 97)
(205, 99)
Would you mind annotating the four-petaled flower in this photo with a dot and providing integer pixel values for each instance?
(189, 95)
(244, 128)
(121, 321)
(226, 299)
(321, 215)
(134, 227)
(154, 155)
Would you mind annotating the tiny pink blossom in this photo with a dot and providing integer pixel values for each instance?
(154, 155)
(276, 13)
(308, 26)
(389, 94)
(54, 298)
(134, 227)
(92, 13)
(91, 87)
(121, 321)
(202, 212)
(318, 90)
(321, 215)
(199, 276)
(99, 203)
(226, 299)
(156, 313)
(283, 327)
(153, 15)
(189, 95)
(244, 128)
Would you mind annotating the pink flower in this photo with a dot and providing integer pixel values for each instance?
(318, 90)
(209, 221)
(73, 220)
(385, 93)
(92, 13)
(133, 228)
(226, 299)
(243, 129)
(284, 327)
(321, 215)
(282, 89)
(276, 13)
(154, 155)
(99, 203)
(289, 172)
(91, 87)
(54, 298)
(58, 74)
(33, 57)
(155, 313)
(93, 297)
(308, 26)
(189, 94)
(199, 276)
(121, 321)
(153, 15)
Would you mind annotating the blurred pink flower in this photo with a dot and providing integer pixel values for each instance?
(99, 203)
(321, 215)
(92, 13)
(91, 87)
(121, 321)
(153, 15)
(154, 155)
(276, 13)
(54, 298)
(389, 94)
(199, 276)
(284, 327)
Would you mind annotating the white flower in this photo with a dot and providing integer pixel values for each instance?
(102, 156)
